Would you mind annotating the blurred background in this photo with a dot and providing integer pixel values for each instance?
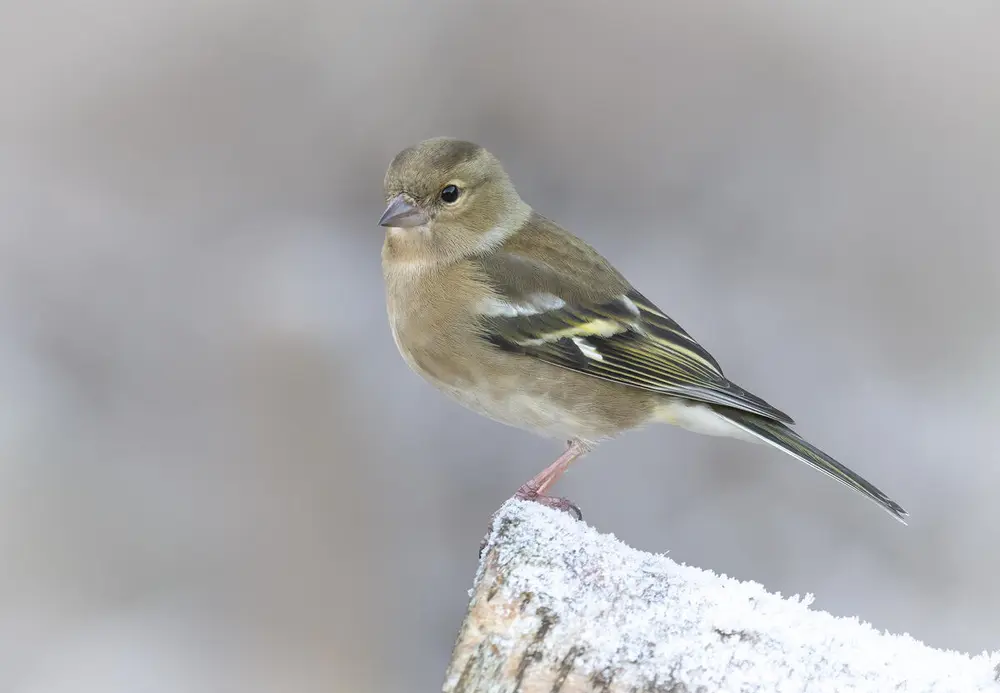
(216, 473)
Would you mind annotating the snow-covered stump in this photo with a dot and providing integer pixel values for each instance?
(559, 608)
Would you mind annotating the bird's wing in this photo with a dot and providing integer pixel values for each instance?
(614, 333)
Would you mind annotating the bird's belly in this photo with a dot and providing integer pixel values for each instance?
(534, 411)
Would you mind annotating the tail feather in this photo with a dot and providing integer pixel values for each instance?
(785, 439)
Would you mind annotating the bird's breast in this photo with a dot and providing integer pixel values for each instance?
(431, 322)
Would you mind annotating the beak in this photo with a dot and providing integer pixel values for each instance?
(403, 214)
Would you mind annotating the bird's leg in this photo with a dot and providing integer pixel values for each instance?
(536, 489)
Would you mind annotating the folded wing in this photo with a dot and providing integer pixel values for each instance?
(622, 337)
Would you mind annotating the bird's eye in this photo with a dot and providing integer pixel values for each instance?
(450, 193)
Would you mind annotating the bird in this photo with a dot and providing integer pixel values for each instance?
(521, 321)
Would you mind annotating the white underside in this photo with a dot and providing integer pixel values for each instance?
(700, 419)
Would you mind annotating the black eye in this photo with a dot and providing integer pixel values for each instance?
(450, 193)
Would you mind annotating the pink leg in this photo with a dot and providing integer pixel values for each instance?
(535, 490)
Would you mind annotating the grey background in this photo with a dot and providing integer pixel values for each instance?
(216, 474)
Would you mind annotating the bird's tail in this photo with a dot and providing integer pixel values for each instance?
(785, 439)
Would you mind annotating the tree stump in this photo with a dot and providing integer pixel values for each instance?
(559, 608)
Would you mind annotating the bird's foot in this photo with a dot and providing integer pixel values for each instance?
(535, 489)
(530, 493)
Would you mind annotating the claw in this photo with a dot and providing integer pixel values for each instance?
(563, 504)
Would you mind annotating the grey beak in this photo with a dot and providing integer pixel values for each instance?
(403, 214)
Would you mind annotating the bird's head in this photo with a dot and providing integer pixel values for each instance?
(447, 199)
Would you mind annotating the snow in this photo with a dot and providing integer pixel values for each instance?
(643, 618)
